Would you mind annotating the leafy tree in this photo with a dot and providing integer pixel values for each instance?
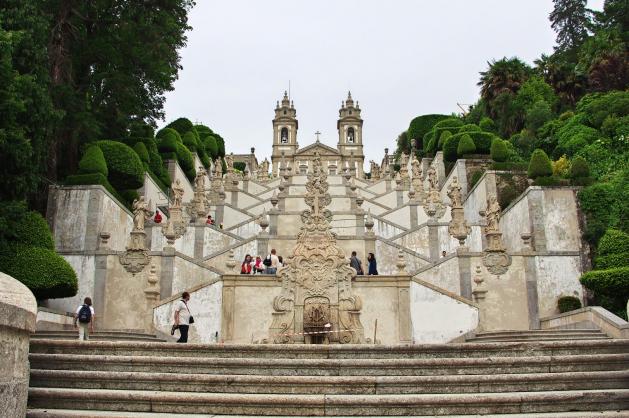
(570, 19)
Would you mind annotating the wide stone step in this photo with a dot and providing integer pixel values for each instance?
(332, 367)
(70, 413)
(104, 335)
(538, 335)
(332, 405)
(346, 385)
(297, 351)
(531, 339)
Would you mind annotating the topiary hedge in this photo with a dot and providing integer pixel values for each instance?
(125, 167)
(579, 168)
(167, 134)
(186, 161)
(488, 125)
(466, 146)
(211, 147)
(93, 161)
(539, 165)
(568, 303)
(611, 288)
(32, 229)
(498, 150)
(421, 125)
(181, 125)
(190, 141)
(450, 148)
(43, 271)
(613, 250)
(143, 153)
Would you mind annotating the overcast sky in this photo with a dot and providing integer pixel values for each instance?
(400, 59)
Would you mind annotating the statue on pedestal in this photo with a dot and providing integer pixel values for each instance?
(136, 257)
(496, 259)
(458, 227)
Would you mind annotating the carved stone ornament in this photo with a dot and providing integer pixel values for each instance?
(458, 227)
(136, 256)
(497, 262)
(316, 283)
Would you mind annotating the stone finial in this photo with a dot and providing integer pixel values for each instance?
(231, 261)
(152, 290)
(264, 221)
(411, 193)
(274, 199)
(359, 199)
(401, 263)
(104, 240)
(479, 289)
(369, 224)
(169, 233)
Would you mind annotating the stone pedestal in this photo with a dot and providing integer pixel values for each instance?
(18, 315)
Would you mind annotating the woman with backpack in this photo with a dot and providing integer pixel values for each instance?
(84, 318)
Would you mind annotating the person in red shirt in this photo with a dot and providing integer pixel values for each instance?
(245, 268)
(209, 221)
(158, 218)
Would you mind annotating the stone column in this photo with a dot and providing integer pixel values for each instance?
(167, 273)
(18, 316)
(433, 240)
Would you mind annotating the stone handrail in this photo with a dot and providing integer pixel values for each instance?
(595, 316)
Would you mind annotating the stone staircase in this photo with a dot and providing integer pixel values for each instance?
(532, 379)
(99, 335)
(539, 335)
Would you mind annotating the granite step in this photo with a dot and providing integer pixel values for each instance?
(332, 367)
(331, 405)
(71, 413)
(297, 351)
(355, 385)
(100, 335)
(538, 335)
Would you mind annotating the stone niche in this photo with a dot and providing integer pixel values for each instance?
(316, 303)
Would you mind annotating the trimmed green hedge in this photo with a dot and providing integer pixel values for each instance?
(168, 140)
(450, 148)
(421, 125)
(125, 167)
(488, 125)
(43, 271)
(211, 147)
(550, 181)
(611, 288)
(568, 303)
(143, 153)
(498, 150)
(539, 165)
(32, 229)
(93, 161)
(181, 125)
(190, 141)
(579, 168)
(466, 146)
(613, 242)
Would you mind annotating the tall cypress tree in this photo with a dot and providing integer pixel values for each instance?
(571, 20)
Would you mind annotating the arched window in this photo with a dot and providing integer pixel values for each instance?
(284, 136)
(350, 135)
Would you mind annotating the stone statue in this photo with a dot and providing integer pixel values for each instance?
(263, 170)
(375, 171)
(433, 182)
(177, 194)
(416, 168)
(199, 180)
(141, 213)
(218, 168)
(492, 214)
(454, 193)
(229, 161)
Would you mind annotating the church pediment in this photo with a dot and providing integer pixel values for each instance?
(322, 149)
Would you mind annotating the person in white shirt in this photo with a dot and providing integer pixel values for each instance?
(182, 318)
(275, 262)
(83, 318)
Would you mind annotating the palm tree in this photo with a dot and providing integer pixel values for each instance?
(503, 76)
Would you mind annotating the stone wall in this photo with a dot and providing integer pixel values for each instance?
(176, 173)
(439, 317)
(18, 312)
(206, 308)
(153, 194)
(188, 274)
(78, 214)
(85, 268)
(444, 275)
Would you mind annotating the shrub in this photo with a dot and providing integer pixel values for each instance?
(430, 148)
(211, 147)
(482, 140)
(539, 166)
(221, 147)
(125, 168)
(568, 303)
(181, 125)
(487, 125)
(611, 288)
(450, 148)
(579, 168)
(466, 146)
(93, 161)
(421, 125)
(142, 152)
(190, 141)
(129, 196)
(443, 138)
(561, 167)
(470, 127)
(597, 107)
(498, 150)
(32, 229)
(574, 136)
(43, 271)
(186, 161)
(167, 134)
(613, 242)
(203, 131)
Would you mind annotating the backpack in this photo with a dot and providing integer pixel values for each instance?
(85, 314)
(267, 261)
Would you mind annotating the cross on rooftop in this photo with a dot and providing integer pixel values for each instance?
(317, 134)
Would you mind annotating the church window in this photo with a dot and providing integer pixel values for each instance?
(284, 112)
(350, 135)
(284, 136)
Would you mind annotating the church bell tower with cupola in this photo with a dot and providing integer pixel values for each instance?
(350, 128)
(284, 133)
